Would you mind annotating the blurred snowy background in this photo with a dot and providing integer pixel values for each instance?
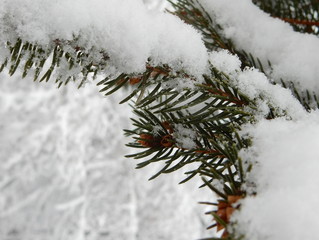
(63, 174)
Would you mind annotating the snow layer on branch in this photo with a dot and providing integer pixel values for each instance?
(184, 136)
(255, 85)
(125, 29)
(285, 157)
(294, 56)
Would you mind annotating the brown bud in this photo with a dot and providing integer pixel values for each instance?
(233, 199)
(167, 141)
(229, 212)
(135, 80)
(222, 204)
(222, 214)
(168, 127)
(148, 140)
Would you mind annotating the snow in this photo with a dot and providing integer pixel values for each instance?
(184, 136)
(294, 56)
(159, 5)
(63, 174)
(179, 84)
(285, 157)
(62, 171)
(256, 86)
(126, 30)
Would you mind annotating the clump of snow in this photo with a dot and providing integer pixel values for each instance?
(125, 29)
(294, 56)
(285, 172)
(184, 137)
(256, 86)
(179, 84)
(218, 184)
(224, 61)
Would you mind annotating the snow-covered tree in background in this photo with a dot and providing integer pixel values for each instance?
(226, 89)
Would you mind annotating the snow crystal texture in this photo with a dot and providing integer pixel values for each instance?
(285, 157)
(127, 30)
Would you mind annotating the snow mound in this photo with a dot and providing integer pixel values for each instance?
(285, 171)
(127, 30)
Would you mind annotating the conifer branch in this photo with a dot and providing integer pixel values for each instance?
(194, 125)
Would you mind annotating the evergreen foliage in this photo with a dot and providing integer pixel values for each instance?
(213, 110)
(302, 15)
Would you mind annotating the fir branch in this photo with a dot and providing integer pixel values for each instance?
(302, 15)
(302, 22)
(193, 13)
(73, 60)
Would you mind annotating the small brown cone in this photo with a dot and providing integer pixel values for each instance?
(135, 80)
(233, 199)
(148, 140)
